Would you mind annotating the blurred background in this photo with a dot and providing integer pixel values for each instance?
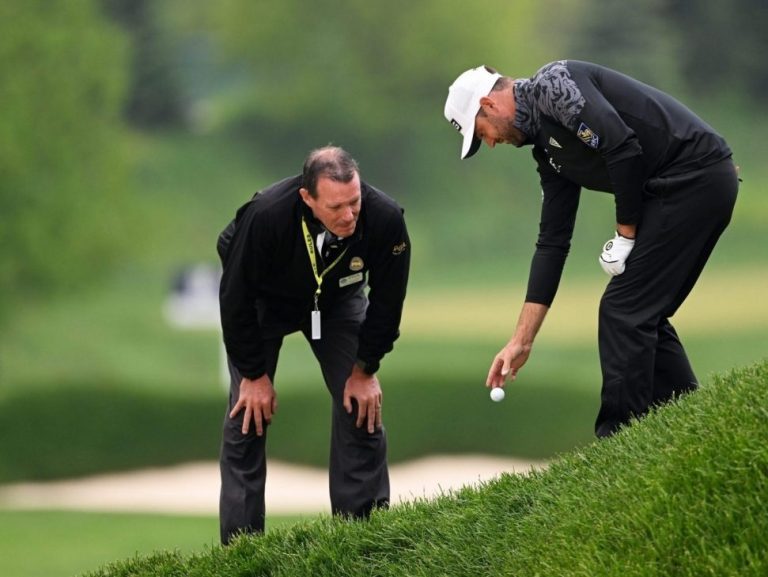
(132, 130)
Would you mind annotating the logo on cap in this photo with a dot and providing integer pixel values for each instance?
(455, 124)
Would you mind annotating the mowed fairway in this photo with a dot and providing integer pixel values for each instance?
(722, 302)
(63, 544)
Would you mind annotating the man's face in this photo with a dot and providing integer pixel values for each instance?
(337, 205)
(495, 121)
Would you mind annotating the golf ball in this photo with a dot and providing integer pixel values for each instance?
(497, 394)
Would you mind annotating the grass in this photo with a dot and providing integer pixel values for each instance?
(680, 493)
(115, 334)
(62, 544)
(433, 404)
(112, 387)
(118, 334)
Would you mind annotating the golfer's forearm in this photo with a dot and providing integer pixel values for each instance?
(529, 323)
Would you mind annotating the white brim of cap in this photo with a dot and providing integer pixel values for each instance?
(469, 140)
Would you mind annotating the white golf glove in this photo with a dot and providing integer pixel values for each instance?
(615, 253)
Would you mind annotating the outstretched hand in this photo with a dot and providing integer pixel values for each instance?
(506, 364)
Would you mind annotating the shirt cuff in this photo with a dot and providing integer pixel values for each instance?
(368, 367)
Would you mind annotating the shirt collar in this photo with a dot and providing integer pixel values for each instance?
(527, 118)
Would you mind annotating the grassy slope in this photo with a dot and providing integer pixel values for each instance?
(683, 492)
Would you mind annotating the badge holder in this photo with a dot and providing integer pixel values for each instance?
(316, 322)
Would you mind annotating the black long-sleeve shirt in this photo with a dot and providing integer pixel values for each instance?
(268, 278)
(596, 128)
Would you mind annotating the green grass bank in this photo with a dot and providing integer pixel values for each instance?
(684, 492)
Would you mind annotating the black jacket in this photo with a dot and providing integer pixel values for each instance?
(268, 280)
(596, 128)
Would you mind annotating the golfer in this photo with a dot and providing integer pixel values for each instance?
(674, 186)
(298, 257)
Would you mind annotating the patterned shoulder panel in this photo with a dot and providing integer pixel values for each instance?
(556, 94)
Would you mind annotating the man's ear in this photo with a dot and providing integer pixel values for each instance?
(305, 196)
(487, 102)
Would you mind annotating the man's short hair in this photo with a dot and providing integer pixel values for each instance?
(330, 162)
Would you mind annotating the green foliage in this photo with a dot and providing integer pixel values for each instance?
(644, 45)
(717, 47)
(369, 76)
(686, 47)
(681, 492)
(154, 99)
(373, 76)
(62, 177)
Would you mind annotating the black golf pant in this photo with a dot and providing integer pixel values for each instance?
(358, 474)
(642, 360)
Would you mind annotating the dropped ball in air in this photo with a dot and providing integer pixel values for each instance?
(497, 394)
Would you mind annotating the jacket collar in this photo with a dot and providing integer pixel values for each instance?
(527, 119)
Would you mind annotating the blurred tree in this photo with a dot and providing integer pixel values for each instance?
(371, 76)
(61, 171)
(639, 41)
(724, 44)
(704, 47)
(154, 96)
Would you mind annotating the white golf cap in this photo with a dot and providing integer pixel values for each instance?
(463, 103)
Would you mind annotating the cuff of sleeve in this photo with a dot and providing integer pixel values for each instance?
(252, 376)
(368, 367)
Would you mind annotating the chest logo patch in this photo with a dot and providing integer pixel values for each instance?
(553, 142)
(587, 136)
(356, 264)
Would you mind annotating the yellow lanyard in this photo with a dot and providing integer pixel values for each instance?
(313, 260)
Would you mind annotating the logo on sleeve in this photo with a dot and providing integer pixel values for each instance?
(399, 248)
(587, 136)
